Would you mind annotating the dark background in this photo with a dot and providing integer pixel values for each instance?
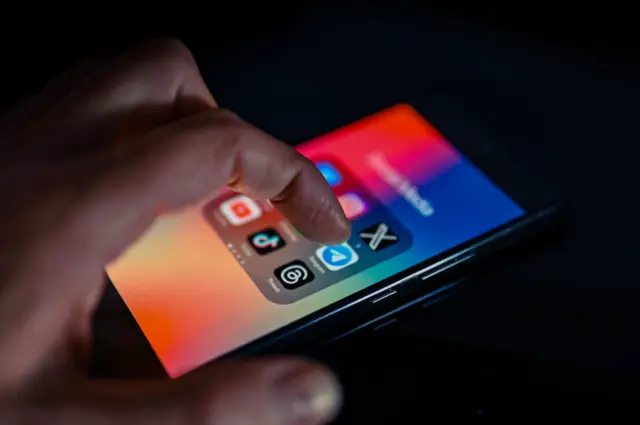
(38, 43)
(555, 83)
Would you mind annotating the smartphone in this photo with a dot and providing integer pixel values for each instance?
(231, 276)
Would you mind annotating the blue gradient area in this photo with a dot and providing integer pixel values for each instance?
(466, 205)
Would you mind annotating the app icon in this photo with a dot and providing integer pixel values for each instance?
(294, 274)
(240, 210)
(337, 257)
(352, 204)
(330, 173)
(266, 241)
(378, 236)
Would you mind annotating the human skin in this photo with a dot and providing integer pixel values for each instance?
(86, 165)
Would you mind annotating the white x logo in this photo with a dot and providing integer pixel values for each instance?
(381, 234)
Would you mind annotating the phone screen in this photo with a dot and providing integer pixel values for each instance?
(230, 270)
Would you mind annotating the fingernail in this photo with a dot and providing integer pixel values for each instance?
(309, 395)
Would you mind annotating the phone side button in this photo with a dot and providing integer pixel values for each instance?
(455, 261)
(384, 295)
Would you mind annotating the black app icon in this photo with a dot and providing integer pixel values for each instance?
(294, 274)
(266, 241)
(379, 236)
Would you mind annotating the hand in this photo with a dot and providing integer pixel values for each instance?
(85, 167)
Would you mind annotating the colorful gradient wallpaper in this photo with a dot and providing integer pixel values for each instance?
(223, 273)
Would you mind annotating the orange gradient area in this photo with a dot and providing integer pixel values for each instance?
(191, 297)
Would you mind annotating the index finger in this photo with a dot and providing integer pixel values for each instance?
(183, 163)
(150, 85)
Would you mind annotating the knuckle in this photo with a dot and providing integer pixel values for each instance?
(305, 163)
(302, 168)
(221, 121)
(230, 129)
(227, 117)
(170, 57)
(170, 49)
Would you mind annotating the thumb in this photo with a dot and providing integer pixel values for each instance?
(256, 392)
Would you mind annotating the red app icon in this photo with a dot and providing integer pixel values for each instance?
(240, 210)
(352, 204)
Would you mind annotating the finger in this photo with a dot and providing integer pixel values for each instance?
(10, 116)
(8, 127)
(170, 168)
(54, 93)
(160, 72)
(67, 82)
(257, 392)
(147, 86)
(186, 162)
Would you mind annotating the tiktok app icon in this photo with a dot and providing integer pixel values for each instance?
(294, 274)
(266, 241)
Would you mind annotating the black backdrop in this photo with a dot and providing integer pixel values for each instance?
(38, 42)
(557, 84)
